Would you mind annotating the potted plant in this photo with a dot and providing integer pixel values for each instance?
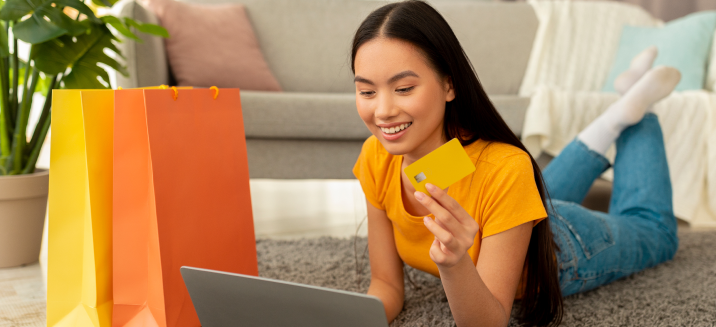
(67, 41)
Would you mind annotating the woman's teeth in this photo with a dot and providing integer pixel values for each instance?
(395, 129)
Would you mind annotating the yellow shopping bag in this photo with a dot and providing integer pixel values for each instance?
(79, 287)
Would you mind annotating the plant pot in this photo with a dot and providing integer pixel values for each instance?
(23, 204)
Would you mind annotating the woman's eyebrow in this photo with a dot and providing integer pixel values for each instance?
(391, 80)
(363, 80)
(402, 75)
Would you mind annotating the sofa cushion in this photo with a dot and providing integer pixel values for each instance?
(302, 116)
(684, 43)
(213, 45)
(294, 115)
(307, 43)
(302, 159)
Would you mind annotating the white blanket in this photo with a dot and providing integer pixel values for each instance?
(576, 42)
(573, 52)
(688, 121)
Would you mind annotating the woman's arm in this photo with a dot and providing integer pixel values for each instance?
(386, 267)
(482, 295)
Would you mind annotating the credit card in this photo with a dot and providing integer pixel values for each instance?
(444, 166)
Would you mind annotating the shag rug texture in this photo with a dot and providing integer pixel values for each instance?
(681, 292)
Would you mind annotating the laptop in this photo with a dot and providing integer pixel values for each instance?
(229, 299)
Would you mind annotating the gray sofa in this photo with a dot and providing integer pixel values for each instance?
(312, 129)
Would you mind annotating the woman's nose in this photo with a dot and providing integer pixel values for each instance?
(386, 108)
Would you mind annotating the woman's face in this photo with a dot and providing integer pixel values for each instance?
(400, 97)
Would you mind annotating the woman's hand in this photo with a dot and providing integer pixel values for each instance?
(453, 227)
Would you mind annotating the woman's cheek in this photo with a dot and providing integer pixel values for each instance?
(417, 106)
(365, 112)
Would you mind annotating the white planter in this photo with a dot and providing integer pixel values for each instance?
(23, 203)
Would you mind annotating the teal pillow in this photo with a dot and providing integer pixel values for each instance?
(684, 43)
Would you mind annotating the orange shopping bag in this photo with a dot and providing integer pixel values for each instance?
(181, 198)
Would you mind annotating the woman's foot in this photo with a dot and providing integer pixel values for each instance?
(655, 85)
(640, 64)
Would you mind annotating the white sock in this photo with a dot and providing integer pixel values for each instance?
(640, 64)
(655, 85)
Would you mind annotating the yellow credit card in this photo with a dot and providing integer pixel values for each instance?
(444, 166)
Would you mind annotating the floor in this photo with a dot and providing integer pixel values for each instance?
(307, 208)
(282, 209)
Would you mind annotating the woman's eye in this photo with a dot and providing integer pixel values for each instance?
(405, 90)
(367, 92)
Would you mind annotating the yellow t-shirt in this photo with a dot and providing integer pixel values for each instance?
(499, 195)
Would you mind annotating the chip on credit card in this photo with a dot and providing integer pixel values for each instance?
(444, 166)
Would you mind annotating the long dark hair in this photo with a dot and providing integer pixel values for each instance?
(469, 117)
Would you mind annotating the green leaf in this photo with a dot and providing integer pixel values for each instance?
(105, 3)
(86, 77)
(82, 54)
(117, 24)
(36, 29)
(81, 7)
(16, 9)
(147, 28)
(72, 26)
(45, 21)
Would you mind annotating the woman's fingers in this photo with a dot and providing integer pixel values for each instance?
(442, 216)
(448, 203)
(455, 209)
(446, 249)
(454, 229)
(440, 233)
(435, 254)
(442, 255)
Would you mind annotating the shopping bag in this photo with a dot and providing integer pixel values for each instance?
(79, 277)
(181, 198)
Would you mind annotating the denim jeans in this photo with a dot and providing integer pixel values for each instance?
(639, 231)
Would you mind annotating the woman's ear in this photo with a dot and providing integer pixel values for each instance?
(450, 89)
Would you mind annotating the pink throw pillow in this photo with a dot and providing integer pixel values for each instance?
(213, 45)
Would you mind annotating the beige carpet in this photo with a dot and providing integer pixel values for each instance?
(681, 292)
(677, 293)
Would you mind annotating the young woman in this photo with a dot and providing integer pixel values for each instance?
(488, 236)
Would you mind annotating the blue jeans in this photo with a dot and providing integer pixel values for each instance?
(640, 229)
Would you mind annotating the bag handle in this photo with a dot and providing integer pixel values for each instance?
(175, 93)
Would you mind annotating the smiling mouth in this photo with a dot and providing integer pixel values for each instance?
(395, 129)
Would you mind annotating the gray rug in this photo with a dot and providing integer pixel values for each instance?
(681, 292)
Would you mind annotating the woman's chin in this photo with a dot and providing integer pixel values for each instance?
(396, 148)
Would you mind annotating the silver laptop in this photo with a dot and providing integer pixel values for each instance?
(228, 299)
